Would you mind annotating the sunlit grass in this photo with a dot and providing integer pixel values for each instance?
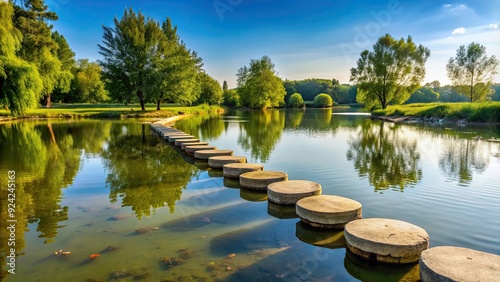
(113, 111)
(472, 112)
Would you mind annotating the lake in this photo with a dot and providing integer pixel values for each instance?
(152, 213)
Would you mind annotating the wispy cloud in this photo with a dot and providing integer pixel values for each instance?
(493, 26)
(455, 8)
(459, 30)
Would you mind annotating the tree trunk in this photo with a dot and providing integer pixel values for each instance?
(158, 105)
(141, 100)
(48, 102)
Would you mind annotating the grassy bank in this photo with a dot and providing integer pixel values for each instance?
(113, 111)
(486, 112)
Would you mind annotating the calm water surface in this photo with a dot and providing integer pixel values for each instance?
(154, 214)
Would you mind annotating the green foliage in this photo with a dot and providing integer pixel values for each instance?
(423, 95)
(211, 92)
(296, 101)
(323, 100)
(232, 98)
(390, 73)
(471, 72)
(259, 86)
(309, 88)
(87, 86)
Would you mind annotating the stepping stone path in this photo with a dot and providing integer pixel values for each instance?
(289, 192)
(183, 145)
(192, 149)
(204, 155)
(259, 180)
(327, 211)
(220, 161)
(236, 169)
(458, 264)
(179, 142)
(386, 240)
(172, 138)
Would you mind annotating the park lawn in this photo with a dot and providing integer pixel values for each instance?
(484, 112)
(113, 111)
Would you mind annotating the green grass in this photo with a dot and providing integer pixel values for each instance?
(485, 112)
(113, 111)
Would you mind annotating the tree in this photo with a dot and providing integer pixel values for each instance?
(20, 82)
(224, 86)
(211, 92)
(471, 71)
(259, 86)
(424, 95)
(231, 98)
(67, 58)
(391, 72)
(39, 47)
(323, 100)
(87, 85)
(296, 101)
(128, 52)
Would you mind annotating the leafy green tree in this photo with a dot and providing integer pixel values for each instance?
(259, 86)
(391, 72)
(128, 51)
(39, 47)
(67, 58)
(224, 86)
(471, 71)
(296, 101)
(87, 85)
(323, 100)
(448, 93)
(20, 83)
(423, 95)
(211, 92)
(232, 98)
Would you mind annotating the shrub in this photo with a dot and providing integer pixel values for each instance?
(296, 101)
(323, 100)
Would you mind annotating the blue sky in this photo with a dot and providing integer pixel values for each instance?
(304, 39)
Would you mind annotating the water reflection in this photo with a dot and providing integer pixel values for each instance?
(143, 171)
(383, 153)
(261, 133)
(204, 127)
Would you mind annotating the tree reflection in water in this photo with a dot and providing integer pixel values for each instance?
(385, 155)
(143, 171)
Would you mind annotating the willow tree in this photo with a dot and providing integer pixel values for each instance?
(128, 52)
(471, 71)
(259, 85)
(20, 83)
(391, 72)
(39, 47)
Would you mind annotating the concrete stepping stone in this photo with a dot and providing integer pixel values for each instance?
(327, 211)
(280, 211)
(326, 238)
(172, 138)
(179, 142)
(205, 155)
(253, 195)
(183, 145)
(448, 263)
(165, 135)
(386, 240)
(289, 192)
(220, 161)
(192, 149)
(259, 180)
(236, 169)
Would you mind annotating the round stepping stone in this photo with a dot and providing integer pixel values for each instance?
(458, 264)
(191, 149)
(165, 135)
(236, 169)
(220, 161)
(172, 138)
(386, 240)
(179, 142)
(289, 192)
(327, 211)
(280, 211)
(253, 195)
(326, 238)
(183, 145)
(259, 180)
(205, 155)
